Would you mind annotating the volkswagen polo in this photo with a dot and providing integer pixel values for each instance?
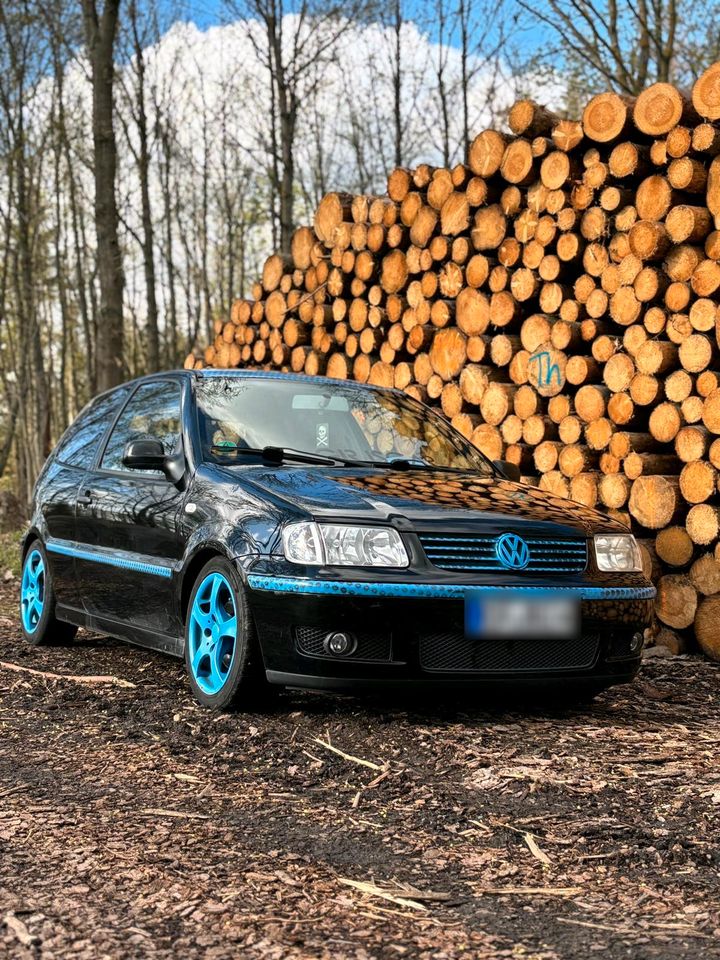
(278, 530)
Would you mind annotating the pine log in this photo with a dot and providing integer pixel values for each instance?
(697, 481)
(598, 433)
(448, 353)
(613, 490)
(703, 524)
(676, 601)
(706, 627)
(653, 501)
(665, 422)
(489, 228)
(333, 209)
(606, 117)
(486, 153)
(394, 272)
(706, 93)
(705, 575)
(496, 402)
(674, 546)
(584, 489)
(661, 107)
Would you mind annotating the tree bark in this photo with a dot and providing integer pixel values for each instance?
(100, 35)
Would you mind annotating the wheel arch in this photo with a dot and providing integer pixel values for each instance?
(28, 537)
(193, 567)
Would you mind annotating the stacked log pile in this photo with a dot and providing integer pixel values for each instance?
(557, 296)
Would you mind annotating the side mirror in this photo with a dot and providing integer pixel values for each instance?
(144, 455)
(511, 471)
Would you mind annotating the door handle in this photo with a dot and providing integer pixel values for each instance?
(85, 499)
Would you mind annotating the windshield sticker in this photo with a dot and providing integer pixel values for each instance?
(322, 436)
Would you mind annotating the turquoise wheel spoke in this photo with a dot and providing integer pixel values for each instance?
(212, 633)
(228, 628)
(201, 619)
(32, 591)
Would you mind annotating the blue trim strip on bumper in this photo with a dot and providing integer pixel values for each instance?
(113, 558)
(356, 588)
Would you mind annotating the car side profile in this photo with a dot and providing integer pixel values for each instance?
(281, 530)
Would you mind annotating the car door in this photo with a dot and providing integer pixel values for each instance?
(127, 520)
(59, 485)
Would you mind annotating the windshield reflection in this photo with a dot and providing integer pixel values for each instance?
(348, 422)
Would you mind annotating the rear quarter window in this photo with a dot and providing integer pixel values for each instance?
(79, 444)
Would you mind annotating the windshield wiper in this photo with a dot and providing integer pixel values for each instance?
(280, 454)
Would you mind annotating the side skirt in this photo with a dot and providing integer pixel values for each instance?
(120, 630)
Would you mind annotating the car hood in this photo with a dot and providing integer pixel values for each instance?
(427, 499)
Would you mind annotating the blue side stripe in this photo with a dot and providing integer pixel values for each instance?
(360, 589)
(117, 559)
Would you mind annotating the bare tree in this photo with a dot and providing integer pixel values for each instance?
(100, 35)
(295, 37)
(24, 271)
(622, 46)
(142, 29)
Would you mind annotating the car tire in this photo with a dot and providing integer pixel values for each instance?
(225, 667)
(38, 622)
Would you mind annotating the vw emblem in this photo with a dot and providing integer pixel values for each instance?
(512, 551)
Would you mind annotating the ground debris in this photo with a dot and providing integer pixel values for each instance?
(133, 823)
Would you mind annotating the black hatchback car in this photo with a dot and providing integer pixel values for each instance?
(300, 531)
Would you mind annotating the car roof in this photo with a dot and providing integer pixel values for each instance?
(242, 374)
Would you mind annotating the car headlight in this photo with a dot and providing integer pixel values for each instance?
(617, 553)
(341, 545)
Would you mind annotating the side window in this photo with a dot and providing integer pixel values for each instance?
(79, 443)
(153, 412)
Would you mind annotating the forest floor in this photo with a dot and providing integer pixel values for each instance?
(135, 824)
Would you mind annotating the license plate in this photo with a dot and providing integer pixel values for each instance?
(511, 615)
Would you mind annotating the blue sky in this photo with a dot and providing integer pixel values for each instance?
(206, 13)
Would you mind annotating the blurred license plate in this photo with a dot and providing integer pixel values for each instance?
(512, 615)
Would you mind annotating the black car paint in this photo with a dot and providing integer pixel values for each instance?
(238, 512)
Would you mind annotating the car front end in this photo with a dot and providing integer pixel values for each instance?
(457, 613)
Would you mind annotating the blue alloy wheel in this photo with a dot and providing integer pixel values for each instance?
(32, 591)
(213, 633)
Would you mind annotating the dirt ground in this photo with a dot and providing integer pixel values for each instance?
(135, 824)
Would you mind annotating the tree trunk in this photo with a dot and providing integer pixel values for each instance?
(100, 34)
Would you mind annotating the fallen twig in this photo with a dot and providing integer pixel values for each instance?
(349, 756)
(73, 678)
(535, 850)
(373, 891)
(530, 891)
(179, 814)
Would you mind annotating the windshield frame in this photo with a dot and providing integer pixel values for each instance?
(421, 409)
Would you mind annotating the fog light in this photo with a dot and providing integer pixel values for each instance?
(636, 642)
(340, 644)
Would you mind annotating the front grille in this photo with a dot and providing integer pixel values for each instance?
(453, 651)
(370, 646)
(478, 553)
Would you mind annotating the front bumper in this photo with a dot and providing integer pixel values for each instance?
(412, 634)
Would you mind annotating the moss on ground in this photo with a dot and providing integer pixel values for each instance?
(10, 553)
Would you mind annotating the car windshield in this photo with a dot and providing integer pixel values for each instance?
(343, 422)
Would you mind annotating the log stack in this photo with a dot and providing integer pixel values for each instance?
(557, 296)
